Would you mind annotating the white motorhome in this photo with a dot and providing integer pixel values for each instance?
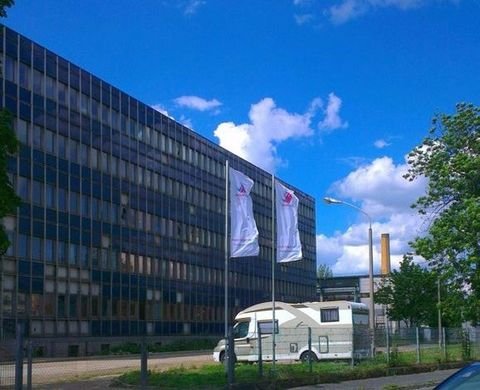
(339, 330)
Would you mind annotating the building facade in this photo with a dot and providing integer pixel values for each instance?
(120, 232)
(354, 289)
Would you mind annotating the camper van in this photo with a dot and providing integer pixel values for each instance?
(338, 330)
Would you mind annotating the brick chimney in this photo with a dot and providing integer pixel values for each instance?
(385, 261)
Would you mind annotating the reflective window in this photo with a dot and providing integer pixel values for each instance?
(23, 245)
(25, 79)
(22, 130)
(10, 69)
(49, 251)
(37, 192)
(62, 93)
(38, 82)
(50, 196)
(61, 145)
(61, 252)
(62, 199)
(23, 188)
(37, 137)
(49, 141)
(72, 254)
(50, 87)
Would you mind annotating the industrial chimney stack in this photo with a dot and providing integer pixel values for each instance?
(385, 261)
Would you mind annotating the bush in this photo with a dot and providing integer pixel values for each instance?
(177, 345)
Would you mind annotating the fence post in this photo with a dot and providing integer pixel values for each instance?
(418, 344)
(143, 364)
(387, 339)
(230, 358)
(260, 357)
(444, 340)
(352, 359)
(29, 364)
(310, 362)
(19, 357)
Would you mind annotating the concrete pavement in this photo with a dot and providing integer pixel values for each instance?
(424, 381)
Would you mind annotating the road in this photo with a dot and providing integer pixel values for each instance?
(423, 381)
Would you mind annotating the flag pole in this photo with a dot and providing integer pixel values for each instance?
(226, 248)
(273, 272)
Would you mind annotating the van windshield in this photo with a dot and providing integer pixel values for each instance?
(240, 329)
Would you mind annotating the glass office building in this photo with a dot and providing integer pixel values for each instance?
(120, 232)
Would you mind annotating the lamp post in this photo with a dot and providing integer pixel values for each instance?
(370, 263)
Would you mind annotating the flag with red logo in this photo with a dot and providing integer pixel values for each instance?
(289, 247)
(244, 232)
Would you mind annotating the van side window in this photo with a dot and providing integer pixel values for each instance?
(329, 315)
(266, 327)
(240, 329)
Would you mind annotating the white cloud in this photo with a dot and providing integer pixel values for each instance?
(347, 10)
(381, 143)
(380, 190)
(300, 3)
(269, 125)
(160, 108)
(191, 6)
(302, 19)
(186, 121)
(380, 187)
(332, 120)
(197, 103)
(342, 11)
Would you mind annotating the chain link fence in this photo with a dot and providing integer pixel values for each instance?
(7, 356)
(19, 365)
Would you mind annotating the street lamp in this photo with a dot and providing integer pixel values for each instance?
(370, 262)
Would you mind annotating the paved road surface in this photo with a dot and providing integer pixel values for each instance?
(424, 381)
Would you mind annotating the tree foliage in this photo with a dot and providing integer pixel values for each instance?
(4, 4)
(450, 158)
(324, 271)
(8, 145)
(8, 199)
(410, 294)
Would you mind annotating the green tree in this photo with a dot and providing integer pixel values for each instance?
(4, 4)
(410, 294)
(8, 199)
(449, 157)
(324, 272)
(8, 145)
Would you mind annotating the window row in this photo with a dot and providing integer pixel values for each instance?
(82, 307)
(132, 263)
(140, 132)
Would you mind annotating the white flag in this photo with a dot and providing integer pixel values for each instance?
(244, 232)
(289, 247)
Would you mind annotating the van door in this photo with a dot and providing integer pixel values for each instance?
(243, 346)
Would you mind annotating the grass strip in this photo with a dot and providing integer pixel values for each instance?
(284, 376)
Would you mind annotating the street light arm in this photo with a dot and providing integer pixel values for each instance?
(337, 201)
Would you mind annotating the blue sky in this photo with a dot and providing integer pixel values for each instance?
(330, 95)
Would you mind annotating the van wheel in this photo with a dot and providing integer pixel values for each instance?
(223, 356)
(304, 356)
